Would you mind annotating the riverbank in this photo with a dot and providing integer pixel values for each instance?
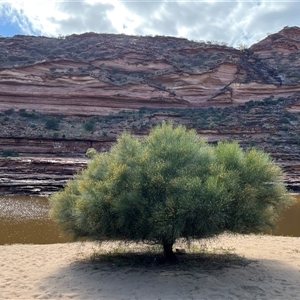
(269, 269)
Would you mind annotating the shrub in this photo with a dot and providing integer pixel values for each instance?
(284, 120)
(7, 153)
(89, 126)
(168, 186)
(9, 112)
(52, 123)
(91, 152)
(24, 113)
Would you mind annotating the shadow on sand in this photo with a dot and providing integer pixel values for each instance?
(194, 276)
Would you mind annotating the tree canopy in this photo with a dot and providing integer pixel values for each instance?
(170, 185)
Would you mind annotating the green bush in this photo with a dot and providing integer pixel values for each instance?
(284, 120)
(24, 113)
(7, 153)
(168, 186)
(89, 126)
(52, 123)
(91, 152)
(9, 112)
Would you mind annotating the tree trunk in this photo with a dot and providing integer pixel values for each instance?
(168, 252)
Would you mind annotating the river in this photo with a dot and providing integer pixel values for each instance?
(25, 220)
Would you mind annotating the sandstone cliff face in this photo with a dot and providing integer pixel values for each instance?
(100, 73)
(97, 85)
(266, 124)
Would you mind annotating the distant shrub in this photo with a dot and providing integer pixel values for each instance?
(7, 153)
(52, 123)
(89, 126)
(91, 152)
(284, 127)
(24, 113)
(9, 112)
(290, 116)
(58, 51)
(284, 120)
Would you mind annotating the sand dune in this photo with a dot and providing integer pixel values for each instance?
(271, 270)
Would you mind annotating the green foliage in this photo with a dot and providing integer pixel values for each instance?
(26, 114)
(171, 185)
(9, 153)
(91, 152)
(89, 126)
(9, 112)
(284, 120)
(242, 47)
(52, 123)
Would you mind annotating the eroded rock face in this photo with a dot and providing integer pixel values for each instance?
(100, 73)
(37, 176)
(286, 40)
(97, 74)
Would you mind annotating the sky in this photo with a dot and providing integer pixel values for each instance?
(234, 22)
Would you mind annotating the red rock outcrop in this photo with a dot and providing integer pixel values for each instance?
(100, 73)
(286, 40)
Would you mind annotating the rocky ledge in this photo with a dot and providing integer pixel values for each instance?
(36, 175)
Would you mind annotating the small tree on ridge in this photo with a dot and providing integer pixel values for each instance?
(171, 185)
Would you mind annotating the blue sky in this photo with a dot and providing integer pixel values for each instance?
(8, 28)
(233, 21)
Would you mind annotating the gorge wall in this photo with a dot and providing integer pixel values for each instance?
(100, 73)
(96, 85)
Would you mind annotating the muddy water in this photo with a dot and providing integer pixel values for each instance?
(25, 220)
(289, 225)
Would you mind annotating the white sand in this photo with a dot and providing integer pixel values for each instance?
(61, 271)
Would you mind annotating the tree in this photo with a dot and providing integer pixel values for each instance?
(171, 185)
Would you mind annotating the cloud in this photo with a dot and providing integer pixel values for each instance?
(234, 22)
(83, 16)
(31, 17)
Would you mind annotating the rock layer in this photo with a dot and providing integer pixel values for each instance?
(100, 73)
(36, 176)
